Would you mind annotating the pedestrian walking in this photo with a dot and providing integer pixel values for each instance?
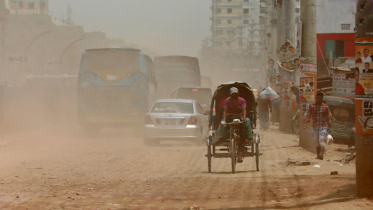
(265, 107)
(321, 122)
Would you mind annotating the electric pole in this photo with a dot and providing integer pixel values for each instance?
(363, 106)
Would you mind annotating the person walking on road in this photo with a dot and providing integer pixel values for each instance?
(265, 108)
(321, 122)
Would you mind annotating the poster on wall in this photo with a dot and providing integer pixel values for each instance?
(364, 116)
(287, 57)
(364, 67)
(299, 37)
(307, 90)
(308, 68)
(344, 85)
(364, 86)
(288, 96)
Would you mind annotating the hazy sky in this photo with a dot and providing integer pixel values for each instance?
(164, 26)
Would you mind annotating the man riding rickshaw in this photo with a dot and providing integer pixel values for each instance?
(235, 108)
(233, 117)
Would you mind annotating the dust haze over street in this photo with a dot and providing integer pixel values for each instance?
(58, 167)
(72, 135)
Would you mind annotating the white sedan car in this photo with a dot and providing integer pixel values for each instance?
(176, 119)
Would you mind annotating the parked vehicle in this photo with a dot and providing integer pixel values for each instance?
(116, 87)
(202, 95)
(343, 125)
(177, 120)
(176, 71)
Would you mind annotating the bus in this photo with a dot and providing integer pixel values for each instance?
(172, 72)
(116, 86)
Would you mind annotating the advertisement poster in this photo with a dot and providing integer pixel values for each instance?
(306, 90)
(364, 116)
(344, 85)
(271, 74)
(288, 96)
(308, 68)
(287, 57)
(299, 38)
(364, 63)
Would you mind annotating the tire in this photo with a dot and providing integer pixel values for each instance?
(233, 151)
(257, 154)
(295, 126)
(209, 157)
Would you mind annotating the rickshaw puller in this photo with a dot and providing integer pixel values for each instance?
(234, 107)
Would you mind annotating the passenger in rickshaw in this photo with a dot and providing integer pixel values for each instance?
(234, 108)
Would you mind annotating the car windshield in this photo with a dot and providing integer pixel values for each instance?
(172, 107)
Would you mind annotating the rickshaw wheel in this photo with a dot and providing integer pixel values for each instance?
(233, 154)
(209, 155)
(257, 156)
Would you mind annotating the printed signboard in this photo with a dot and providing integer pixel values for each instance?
(344, 85)
(308, 67)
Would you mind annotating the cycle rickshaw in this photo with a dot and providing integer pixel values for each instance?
(231, 146)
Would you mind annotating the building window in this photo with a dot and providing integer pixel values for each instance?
(20, 5)
(229, 0)
(229, 21)
(229, 10)
(218, 22)
(263, 10)
(42, 5)
(217, 33)
(245, 11)
(218, 11)
(245, 21)
(337, 47)
(297, 10)
(31, 5)
(345, 26)
(245, 0)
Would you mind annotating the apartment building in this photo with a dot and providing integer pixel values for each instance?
(237, 26)
(227, 26)
(28, 7)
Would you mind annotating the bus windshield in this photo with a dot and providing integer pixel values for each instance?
(112, 65)
(203, 96)
(177, 68)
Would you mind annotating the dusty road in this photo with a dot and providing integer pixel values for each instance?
(60, 168)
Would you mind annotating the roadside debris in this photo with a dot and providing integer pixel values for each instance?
(298, 162)
(334, 173)
(349, 157)
(195, 208)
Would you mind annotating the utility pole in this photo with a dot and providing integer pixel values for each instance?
(309, 47)
(364, 140)
(289, 20)
(285, 32)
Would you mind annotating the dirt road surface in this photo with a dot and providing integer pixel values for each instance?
(58, 167)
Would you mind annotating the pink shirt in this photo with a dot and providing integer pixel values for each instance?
(235, 109)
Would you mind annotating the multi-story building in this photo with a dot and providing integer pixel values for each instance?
(238, 33)
(227, 26)
(237, 26)
(29, 6)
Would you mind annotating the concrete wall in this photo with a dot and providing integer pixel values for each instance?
(336, 12)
